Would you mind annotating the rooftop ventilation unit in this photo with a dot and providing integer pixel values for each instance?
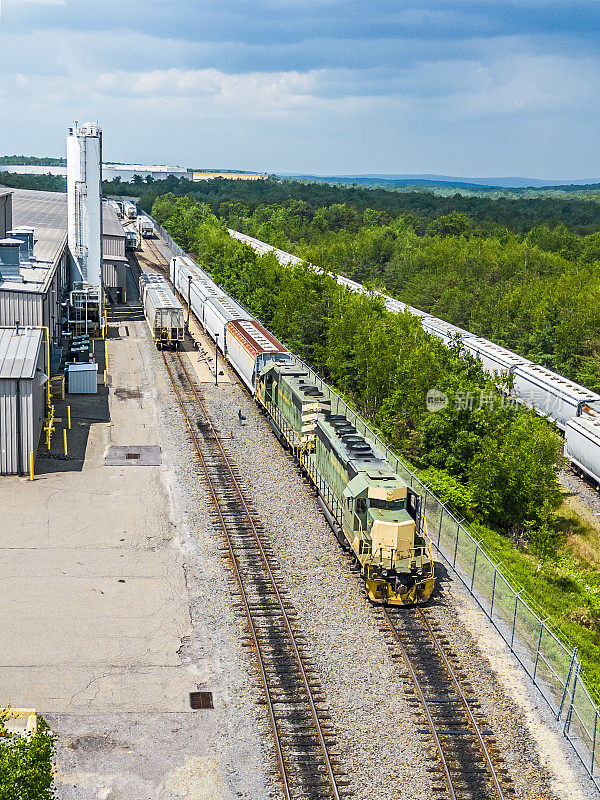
(26, 235)
(9, 259)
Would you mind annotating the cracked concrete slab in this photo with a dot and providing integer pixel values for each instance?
(96, 590)
(118, 604)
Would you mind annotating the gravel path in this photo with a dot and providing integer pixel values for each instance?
(582, 490)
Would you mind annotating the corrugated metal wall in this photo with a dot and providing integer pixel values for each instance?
(28, 395)
(113, 246)
(25, 307)
(114, 274)
(35, 308)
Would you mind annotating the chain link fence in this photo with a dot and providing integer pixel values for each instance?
(550, 664)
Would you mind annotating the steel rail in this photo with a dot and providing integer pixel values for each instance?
(447, 772)
(465, 702)
(419, 691)
(280, 602)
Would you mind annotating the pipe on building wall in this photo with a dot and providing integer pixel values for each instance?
(19, 427)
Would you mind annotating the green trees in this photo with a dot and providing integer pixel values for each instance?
(492, 462)
(26, 764)
(535, 294)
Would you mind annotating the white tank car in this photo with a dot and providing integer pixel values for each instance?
(164, 313)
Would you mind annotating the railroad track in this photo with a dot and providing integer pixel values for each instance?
(469, 766)
(303, 737)
(158, 260)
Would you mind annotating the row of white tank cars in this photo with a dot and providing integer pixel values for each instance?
(573, 408)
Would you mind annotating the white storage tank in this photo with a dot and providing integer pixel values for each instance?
(84, 200)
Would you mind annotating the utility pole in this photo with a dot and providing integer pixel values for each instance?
(217, 360)
(189, 301)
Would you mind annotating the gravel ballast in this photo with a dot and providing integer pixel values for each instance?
(365, 688)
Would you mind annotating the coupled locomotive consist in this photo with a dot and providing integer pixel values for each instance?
(371, 510)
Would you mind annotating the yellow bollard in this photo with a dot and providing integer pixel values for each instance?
(124, 295)
(31, 466)
(65, 441)
(105, 377)
(93, 345)
(69, 417)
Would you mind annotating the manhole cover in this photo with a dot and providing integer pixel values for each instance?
(201, 700)
(145, 455)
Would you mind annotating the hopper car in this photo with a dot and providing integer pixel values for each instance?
(145, 227)
(372, 512)
(163, 312)
(131, 240)
(573, 408)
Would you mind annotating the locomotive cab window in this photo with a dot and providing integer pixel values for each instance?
(388, 505)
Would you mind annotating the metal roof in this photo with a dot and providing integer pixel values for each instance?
(19, 352)
(111, 225)
(46, 213)
(40, 209)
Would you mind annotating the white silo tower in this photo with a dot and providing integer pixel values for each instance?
(84, 200)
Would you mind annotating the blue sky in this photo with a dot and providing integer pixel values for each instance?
(322, 86)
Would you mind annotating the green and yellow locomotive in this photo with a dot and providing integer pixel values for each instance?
(370, 508)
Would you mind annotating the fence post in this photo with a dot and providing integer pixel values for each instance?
(440, 526)
(594, 744)
(566, 686)
(537, 652)
(512, 634)
(570, 711)
(474, 564)
(456, 545)
(493, 592)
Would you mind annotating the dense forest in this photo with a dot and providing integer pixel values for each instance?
(494, 463)
(386, 364)
(518, 214)
(42, 183)
(536, 292)
(34, 161)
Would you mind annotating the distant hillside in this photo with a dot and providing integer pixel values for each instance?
(32, 161)
(444, 181)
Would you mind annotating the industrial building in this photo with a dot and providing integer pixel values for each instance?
(232, 176)
(31, 290)
(126, 172)
(5, 212)
(23, 377)
(114, 261)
